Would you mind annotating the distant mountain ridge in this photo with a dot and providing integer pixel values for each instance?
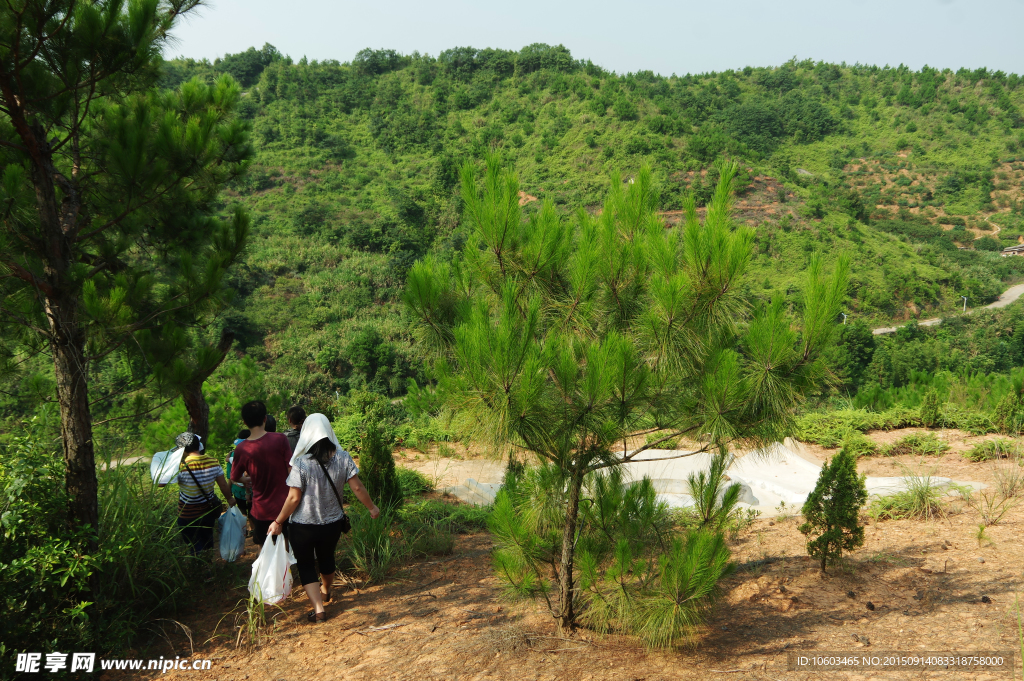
(916, 174)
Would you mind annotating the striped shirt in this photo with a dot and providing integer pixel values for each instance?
(195, 501)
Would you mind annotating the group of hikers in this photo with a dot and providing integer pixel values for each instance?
(287, 483)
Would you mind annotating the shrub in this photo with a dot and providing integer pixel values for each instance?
(1009, 414)
(921, 500)
(931, 408)
(858, 445)
(460, 518)
(636, 574)
(987, 243)
(831, 510)
(829, 428)
(375, 547)
(377, 468)
(625, 109)
(138, 572)
(999, 448)
(413, 483)
(917, 444)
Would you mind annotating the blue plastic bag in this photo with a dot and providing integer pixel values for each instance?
(232, 534)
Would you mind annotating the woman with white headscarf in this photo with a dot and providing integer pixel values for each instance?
(320, 470)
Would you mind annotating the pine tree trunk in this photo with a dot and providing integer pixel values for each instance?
(67, 343)
(66, 333)
(197, 408)
(566, 583)
(192, 393)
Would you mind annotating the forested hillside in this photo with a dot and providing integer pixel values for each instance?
(917, 175)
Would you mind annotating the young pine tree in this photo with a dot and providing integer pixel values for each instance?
(377, 467)
(562, 336)
(831, 510)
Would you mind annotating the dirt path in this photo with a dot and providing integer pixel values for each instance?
(1008, 296)
(931, 586)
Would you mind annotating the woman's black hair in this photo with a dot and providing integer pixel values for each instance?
(322, 450)
(243, 434)
(192, 447)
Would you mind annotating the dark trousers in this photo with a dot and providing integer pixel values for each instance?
(198, 532)
(314, 547)
(260, 527)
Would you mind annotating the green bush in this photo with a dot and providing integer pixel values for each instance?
(461, 518)
(832, 510)
(373, 545)
(636, 574)
(988, 450)
(713, 500)
(377, 468)
(829, 428)
(931, 409)
(413, 483)
(917, 444)
(921, 500)
(858, 445)
(48, 578)
(1009, 414)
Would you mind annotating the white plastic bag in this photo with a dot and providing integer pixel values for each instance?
(164, 466)
(271, 579)
(232, 534)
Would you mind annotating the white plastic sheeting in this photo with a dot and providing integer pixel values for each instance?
(768, 478)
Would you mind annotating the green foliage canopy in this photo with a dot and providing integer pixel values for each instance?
(564, 338)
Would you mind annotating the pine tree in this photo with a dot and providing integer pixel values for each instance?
(564, 337)
(111, 231)
(831, 510)
(377, 467)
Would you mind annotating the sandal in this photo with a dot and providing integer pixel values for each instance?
(325, 595)
(316, 617)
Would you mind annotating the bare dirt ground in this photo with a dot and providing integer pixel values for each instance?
(914, 586)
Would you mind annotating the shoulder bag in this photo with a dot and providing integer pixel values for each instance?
(346, 524)
(212, 501)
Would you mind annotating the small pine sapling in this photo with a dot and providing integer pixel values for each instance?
(831, 510)
(378, 468)
(713, 499)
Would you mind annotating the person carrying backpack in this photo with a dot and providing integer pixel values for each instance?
(320, 470)
(198, 506)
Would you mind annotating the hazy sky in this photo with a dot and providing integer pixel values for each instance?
(665, 37)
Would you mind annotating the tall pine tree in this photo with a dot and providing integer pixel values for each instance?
(108, 195)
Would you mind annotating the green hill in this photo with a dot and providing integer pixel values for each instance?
(916, 174)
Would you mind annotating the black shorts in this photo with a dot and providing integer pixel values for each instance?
(260, 528)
